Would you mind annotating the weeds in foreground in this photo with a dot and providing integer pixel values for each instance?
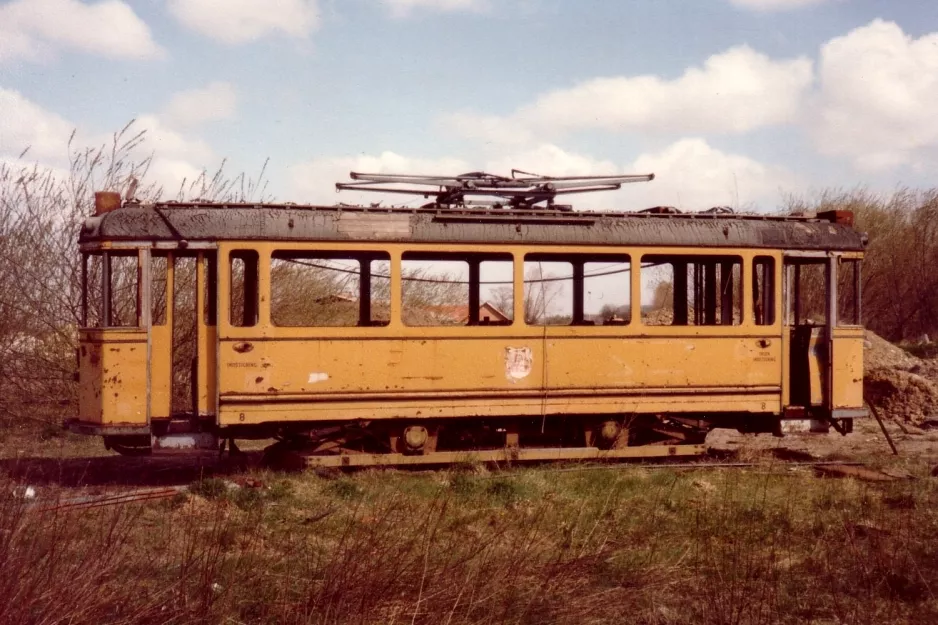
(520, 547)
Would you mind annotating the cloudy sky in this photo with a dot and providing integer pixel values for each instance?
(728, 102)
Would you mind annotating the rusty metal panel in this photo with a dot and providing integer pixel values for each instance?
(112, 368)
(848, 368)
(196, 223)
(506, 455)
(374, 226)
(304, 379)
(248, 410)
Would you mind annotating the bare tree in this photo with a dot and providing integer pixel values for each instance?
(899, 284)
(541, 292)
(41, 212)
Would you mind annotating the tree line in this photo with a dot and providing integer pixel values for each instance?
(900, 267)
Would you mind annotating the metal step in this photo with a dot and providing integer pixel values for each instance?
(504, 455)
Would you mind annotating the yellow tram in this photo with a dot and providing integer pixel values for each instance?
(366, 335)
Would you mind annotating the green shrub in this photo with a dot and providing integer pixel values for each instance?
(209, 488)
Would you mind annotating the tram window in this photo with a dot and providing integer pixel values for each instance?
(110, 290)
(158, 266)
(808, 280)
(691, 290)
(457, 289)
(123, 291)
(848, 292)
(607, 291)
(244, 288)
(763, 290)
(548, 291)
(434, 290)
(92, 293)
(380, 292)
(577, 289)
(322, 289)
(658, 295)
(496, 292)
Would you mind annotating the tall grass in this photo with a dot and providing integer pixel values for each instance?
(599, 547)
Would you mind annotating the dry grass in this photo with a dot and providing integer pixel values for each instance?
(525, 546)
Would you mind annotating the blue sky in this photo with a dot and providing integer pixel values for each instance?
(728, 102)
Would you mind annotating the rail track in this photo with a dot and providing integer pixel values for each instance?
(824, 468)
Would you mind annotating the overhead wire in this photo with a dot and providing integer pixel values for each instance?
(440, 281)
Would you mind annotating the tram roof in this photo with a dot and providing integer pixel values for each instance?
(198, 221)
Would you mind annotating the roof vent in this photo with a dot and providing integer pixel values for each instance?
(842, 217)
(106, 201)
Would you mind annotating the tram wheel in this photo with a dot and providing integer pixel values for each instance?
(129, 445)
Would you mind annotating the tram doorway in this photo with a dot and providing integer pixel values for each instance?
(182, 335)
(825, 337)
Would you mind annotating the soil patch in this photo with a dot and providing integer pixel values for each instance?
(900, 385)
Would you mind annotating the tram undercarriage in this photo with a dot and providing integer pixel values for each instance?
(404, 442)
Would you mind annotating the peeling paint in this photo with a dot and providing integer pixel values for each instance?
(518, 363)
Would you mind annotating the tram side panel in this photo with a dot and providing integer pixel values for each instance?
(848, 368)
(702, 373)
(329, 379)
(272, 373)
(269, 373)
(112, 370)
(347, 378)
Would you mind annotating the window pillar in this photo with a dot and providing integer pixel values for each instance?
(679, 297)
(726, 294)
(364, 292)
(710, 295)
(578, 278)
(106, 290)
(474, 294)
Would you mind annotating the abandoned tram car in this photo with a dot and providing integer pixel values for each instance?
(508, 328)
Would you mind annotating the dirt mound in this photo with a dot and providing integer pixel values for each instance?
(880, 353)
(929, 369)
(897, 383)
(898, 394)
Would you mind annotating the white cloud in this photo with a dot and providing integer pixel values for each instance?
(692, 175)
(172, 174)
(774, 5)
(877, 98)
(733, 92)
(166, 142)
(175, 156)
(484, 128)
(25, 124)
(36, 29)
(549, 160)
(400, 8)
(215, 101)
(689, 174)
(241, 21)
(314, 181)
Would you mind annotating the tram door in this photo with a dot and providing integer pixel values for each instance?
(183, 334)
(826, 339)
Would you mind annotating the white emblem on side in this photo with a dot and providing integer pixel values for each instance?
(317, 377)
(518, 361)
